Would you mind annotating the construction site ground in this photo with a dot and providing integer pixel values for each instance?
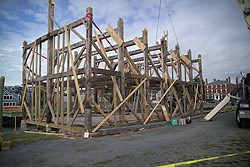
(220, 138)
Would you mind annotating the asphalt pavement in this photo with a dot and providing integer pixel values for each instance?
(220, 138)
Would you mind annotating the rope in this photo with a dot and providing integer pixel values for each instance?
(171, 21)
(159, 11)
(90, 16)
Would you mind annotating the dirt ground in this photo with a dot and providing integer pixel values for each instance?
(152, 147)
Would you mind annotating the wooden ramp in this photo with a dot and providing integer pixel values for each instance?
(219, 107)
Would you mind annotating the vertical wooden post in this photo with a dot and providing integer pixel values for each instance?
(146, 73)
(24, 77)
(62, 81)
(121, 69)
(164, 70)
(88, 112)
(190, 66)
(201, 83)
(39, 82)
(177, 48)
(2, 78)
(95, 90)
(36, 86)
(49, 56)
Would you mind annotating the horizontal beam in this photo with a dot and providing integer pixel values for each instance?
(56, 32)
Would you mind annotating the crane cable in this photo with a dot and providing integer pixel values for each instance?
(171, 21)
(159, 12)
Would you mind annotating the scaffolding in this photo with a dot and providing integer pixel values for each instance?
(100, 80)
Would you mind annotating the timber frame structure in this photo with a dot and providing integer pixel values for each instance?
(105, 86)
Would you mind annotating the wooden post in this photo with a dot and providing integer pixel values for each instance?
(121, 69)
(62, 81)
(95, 90)
(164, 70)
(146, 70)
(2, 78)
(39, 82)
(201, 83)
(177, 49)
(50, 55)
(88, 112)
(190, 66)
(24, 77)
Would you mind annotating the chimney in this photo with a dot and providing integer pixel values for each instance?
(206, 81)
(229, 80)
(214, 80)
(226, 80)
(237, 81)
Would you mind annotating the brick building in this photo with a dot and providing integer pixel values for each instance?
(218, 89)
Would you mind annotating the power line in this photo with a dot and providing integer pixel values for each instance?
(159, 12)
(171, 21)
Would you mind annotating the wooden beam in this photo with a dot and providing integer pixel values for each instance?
(139, 44)
(74, 72)
(52, 112)
(119, 105)
(101, 111)
(165, 113)
(27, 110)
(114, 35)
(159, 102)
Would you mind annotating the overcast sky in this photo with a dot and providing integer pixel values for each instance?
(215, 29)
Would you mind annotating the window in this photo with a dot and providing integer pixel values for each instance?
(207, 96)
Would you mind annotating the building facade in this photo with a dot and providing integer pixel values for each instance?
(12, 95)
(218, 89)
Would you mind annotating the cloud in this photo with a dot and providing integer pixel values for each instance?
(214, 29)
(7, 15)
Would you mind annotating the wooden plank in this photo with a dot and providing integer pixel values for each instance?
(128, 57)
(159, 102)
(185, 60)
(55, 32)
(116, 88)
(196, 94)
(165, 113)
(101, 111)
(173, 89)
(210, 115)
(26, 83)
(235, 97)
(143, 47)
(173, 55)
(52, 111)
(27, 110)
(103, 53)
(119, 105)
(114, 35)
(74, 72)
(152, 63)
(139, 44)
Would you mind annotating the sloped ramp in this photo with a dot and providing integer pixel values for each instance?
(217, 108)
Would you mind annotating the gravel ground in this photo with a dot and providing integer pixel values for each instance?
(153, 147)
